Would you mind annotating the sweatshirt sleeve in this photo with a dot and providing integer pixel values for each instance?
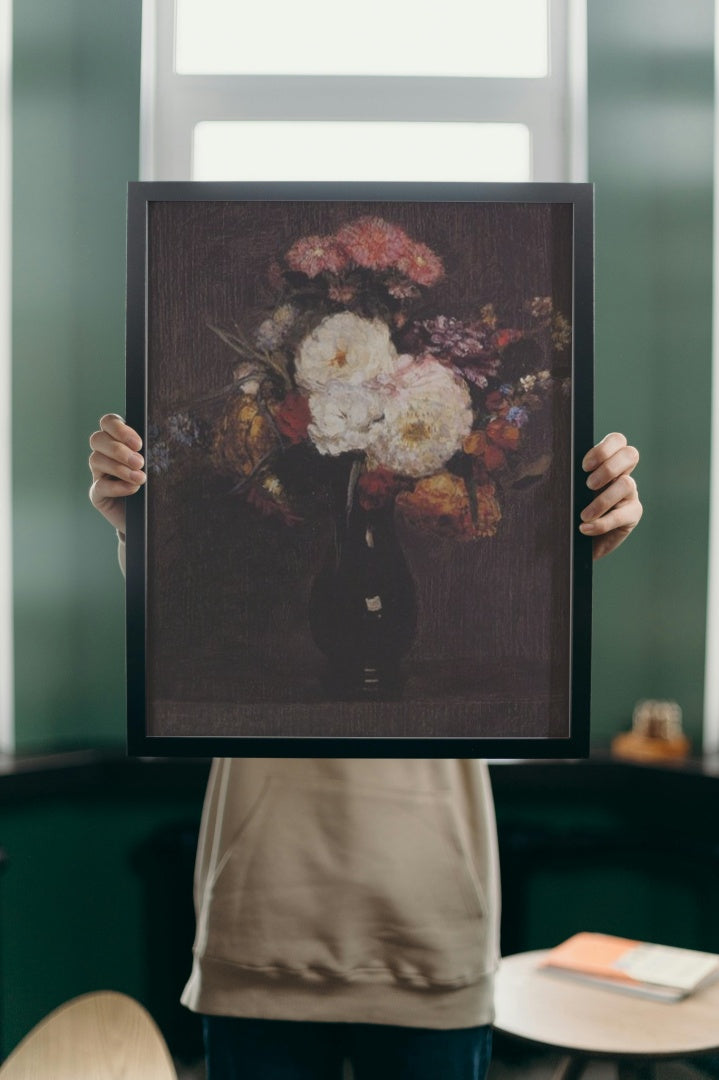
(121, 550)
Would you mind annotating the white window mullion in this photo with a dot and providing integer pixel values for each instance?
(185, 101)
(710, 734)
(7, 724)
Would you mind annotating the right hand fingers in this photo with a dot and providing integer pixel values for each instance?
(112, 458)
(117, 429)
(106, 488)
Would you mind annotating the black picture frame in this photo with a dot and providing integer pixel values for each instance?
(182, 233)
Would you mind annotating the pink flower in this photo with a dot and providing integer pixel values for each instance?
(373, 243)
(312, 255)
(421, 264)
(341, 294)
(403, 289)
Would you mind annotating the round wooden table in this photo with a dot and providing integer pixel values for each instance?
(98, 1036)
(588, 1022)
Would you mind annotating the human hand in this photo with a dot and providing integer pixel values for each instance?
(610, 517)
(116, 467)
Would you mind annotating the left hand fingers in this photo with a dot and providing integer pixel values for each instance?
(622, 490)
(603, 450)
(625, 515)
(604, 469)
(610, 531)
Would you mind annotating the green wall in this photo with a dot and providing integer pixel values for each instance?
(650, 156)
(76, 86)
(75, 899)
(75, 146)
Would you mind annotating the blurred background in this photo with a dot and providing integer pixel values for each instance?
(617, 92)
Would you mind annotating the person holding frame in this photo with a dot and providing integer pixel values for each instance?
(349, 909)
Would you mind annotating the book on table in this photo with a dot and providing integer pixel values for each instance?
(661, 972)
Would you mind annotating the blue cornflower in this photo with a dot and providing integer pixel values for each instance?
(517, 416)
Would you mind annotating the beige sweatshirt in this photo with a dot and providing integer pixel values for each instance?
(347, 890)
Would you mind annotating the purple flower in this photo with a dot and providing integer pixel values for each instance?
(474, 376)
(158, 457)
(182, 429)
(456, 343)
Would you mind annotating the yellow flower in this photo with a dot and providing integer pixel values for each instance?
(243, 437)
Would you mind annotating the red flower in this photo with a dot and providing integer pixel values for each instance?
(502, 338)
(503, 434)
(312, 255)
(271, 505)
(292, 417)
(377, 488)
(421, 264)
(373, 243)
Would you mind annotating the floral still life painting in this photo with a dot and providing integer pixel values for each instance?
(358, 441)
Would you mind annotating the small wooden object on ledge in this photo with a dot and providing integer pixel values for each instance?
(656, 733)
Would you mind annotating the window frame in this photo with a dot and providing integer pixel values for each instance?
(710, 726)
(7, 724)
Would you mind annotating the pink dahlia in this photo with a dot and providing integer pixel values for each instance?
(373, 243)
(312, 255)
(421, 264)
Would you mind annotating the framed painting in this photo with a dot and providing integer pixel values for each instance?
(364, 409)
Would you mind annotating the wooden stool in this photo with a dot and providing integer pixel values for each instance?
(588, 1022)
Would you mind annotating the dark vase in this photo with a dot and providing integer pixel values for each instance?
(363, 610)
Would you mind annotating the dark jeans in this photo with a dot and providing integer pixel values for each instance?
(240, 1049)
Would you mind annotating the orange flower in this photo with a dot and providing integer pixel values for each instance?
(494, 458)
(476, 445)
(503, 434)
(441, 504)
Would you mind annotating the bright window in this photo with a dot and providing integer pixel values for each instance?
(470, 38)
(311, 150)
(458, 90)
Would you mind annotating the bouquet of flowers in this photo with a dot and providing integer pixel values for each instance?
(349, 362)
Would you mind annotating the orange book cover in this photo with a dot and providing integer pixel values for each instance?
(662, 971)
(592, 954)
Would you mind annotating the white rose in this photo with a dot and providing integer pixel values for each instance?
(346, 349)
(427, 416)
(344, 417)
